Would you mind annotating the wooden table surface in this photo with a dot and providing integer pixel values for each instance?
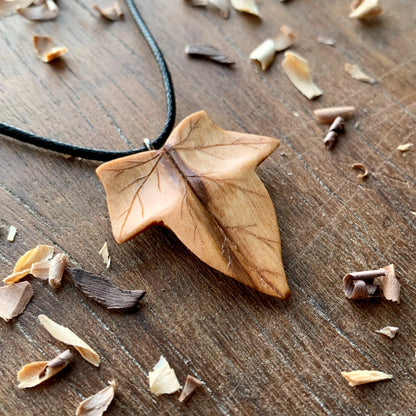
(257, 355)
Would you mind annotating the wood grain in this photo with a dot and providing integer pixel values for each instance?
(256, 354)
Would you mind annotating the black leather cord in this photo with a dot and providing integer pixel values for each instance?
(105, 155)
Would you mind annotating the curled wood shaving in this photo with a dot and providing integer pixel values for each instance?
(297, 69)
(358, 377)
(221, 5)
(37, 372)
(356, 73)
(364, 171)
(246, 6)
(97, 404)
(46, 10)
(56, 270)
(264, 54)
(14, 299)
(328, 115)
(363, 9)
(40, 270)
(404, 147)
(24, 264)
(285, 39)
(191, 384)
(208, 52)
(112, 12)
(162, 380)
(45, 49)
(8, 7)
(12, 233)
(388, 331)
(104, 292)
(65, 335)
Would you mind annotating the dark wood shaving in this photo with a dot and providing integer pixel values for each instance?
(104, 292)
(208, 52)
(364, 171)
(60, 361)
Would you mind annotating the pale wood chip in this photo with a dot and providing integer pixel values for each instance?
(328, 115)
(46, 10)
(40, 270)
(65, 335)
(37, 372)
(191, 384)
(24, 264)
(56, 270)
(222, 6)
(297, 69)
(45, 49)
(390, 284)
(356, 378)
(104, 253)
(8, 7)
(364, 170)
(112, 12)
(325, 40)
(388, 331)
(363, 9)
(14, 299)
(12, 233)
(264, 54)
(285, 39)
(356, 73)
(246, 6)
(97, 404)
(404, 147)
(163, 380)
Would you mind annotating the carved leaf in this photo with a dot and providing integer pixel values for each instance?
(202, 185)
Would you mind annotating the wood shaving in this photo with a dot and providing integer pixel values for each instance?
(221, 5)
(8, 7)
(14, 299)
(45, 49)
(162, 380)
(24, 264)
(246, 6)
(364, 171)
(208, 52)
(363, 9)
(45, 10)
(65, 335)
(356, 73)
(12, 233)
(285, 39)
(56, 270)
(104, 292)
(390, 284)
(388, 331)
(297, 69)
(264, 54)
(40, 270)
(97, 404)
(358, 377)
(404, 147)
(328, 115)
(37, 372)
(112, 12)
(191, 384)
(105, 255)
(325, 40)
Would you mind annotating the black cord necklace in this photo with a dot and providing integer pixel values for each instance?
(199, 181)
(105, 155)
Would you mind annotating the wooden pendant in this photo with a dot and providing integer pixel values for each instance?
(202, 185)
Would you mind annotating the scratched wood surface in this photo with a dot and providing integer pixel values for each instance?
(257, 355)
